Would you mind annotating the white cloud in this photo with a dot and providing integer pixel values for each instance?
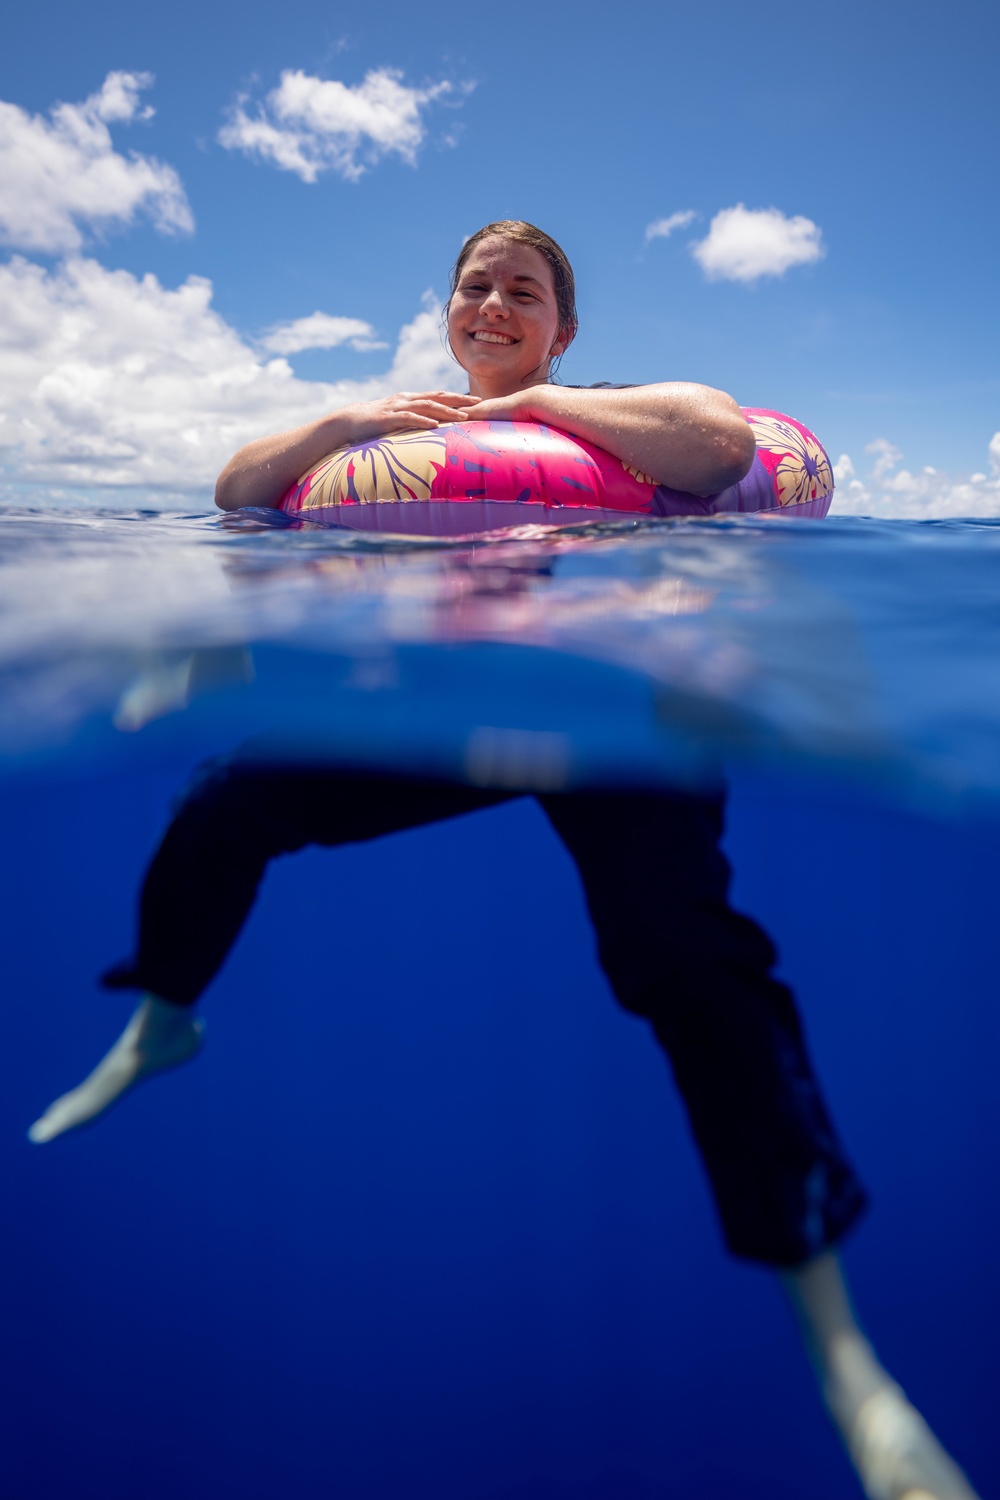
(310, 125)
(62, 174)
(891, 491)
(886, 456)
(744, 244)
(111, 381)
(662, 229)
(320, 331)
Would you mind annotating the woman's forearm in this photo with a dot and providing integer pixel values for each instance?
(690, 437)
(260, 473)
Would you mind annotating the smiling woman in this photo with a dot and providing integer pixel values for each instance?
(511, 314)
(512, 288)
(520, 450)
(650, 863)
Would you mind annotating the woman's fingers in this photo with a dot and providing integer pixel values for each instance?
(405, 421)
(400, 421)
(441, 406)
(409, 410)
(440, 411)
(451, 400)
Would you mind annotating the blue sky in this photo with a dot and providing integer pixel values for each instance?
(871, 131)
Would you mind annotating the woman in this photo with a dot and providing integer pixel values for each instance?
(671, 946)
(512, 312)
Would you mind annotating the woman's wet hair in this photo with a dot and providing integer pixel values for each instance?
(521, 233)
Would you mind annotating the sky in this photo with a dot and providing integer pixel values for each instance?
(220, 222)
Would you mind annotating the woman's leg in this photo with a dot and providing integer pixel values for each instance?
(675, 952)
(158, 1036)
(238, 815)
(891, 1446)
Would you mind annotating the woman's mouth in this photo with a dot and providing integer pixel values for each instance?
(481, 336)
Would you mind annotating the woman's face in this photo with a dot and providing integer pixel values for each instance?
(503, 323)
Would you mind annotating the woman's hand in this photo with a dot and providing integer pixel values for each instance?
(690, 437)
(262, 472)
(403, 412)
(522, 406)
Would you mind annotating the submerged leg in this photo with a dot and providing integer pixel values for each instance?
(674, 950)
(896, 1455)
(159, 1036)
(237, 816)
(676, 953)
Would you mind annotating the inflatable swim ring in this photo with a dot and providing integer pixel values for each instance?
(477, 476)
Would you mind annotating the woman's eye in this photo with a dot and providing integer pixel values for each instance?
(482, 289)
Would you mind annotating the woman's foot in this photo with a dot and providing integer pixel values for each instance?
(158, 1036)
(895, 1453)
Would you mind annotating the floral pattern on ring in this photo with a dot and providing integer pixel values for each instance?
(400, 466)
(803, 470)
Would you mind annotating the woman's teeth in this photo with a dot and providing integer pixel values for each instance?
(493, 338)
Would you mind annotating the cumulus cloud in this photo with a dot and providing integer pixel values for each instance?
(320, 331)
(885, 455)
(891, 491)
(109, 381)
(662, 229)
(744, 244)
(60, 175)
(310, 125)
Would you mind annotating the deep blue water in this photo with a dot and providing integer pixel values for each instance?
(424, 1218)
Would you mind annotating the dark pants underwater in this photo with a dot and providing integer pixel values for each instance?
(674, 951)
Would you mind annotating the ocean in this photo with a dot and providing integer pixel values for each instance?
(425, 1217)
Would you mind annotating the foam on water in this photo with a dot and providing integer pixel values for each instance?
(638, 650)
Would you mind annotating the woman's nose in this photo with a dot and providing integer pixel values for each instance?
(493, 305)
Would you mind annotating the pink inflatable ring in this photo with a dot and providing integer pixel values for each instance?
(477, 476)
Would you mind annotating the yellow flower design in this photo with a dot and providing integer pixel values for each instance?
(803, 471)
(638, 474)
(400, 467)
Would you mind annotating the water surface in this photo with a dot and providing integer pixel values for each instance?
(649, 650)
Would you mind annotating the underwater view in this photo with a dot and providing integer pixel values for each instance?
(426, 1216)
